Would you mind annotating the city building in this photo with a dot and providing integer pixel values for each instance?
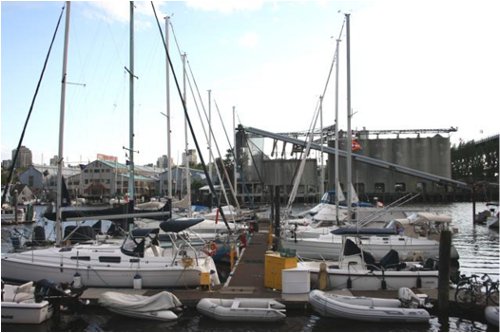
(24, 157)
(192, 157)
(42, 179)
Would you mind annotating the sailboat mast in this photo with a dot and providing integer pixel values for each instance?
(187, 155)
(169, 143)
(322, 177)
(61, 127)
(210, 161)
(235, 157)
(337, 182)
(131, 181)
(349, 114)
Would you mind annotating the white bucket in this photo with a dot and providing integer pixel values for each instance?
(137, 282)
(77, 281)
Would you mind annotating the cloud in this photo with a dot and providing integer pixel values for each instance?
(249, 40)
(225, 6)
(119, 11)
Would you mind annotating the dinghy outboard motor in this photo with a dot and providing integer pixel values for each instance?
(410, 300)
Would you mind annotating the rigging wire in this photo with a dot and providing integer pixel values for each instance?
(209, 180)
(211, 133)
(11, 171)
(224, 128)
(206, 137)
(210, 128)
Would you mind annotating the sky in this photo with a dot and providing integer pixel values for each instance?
(414, 65)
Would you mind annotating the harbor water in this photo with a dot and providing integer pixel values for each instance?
(477, 246)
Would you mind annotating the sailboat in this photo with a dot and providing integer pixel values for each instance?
(109, 264)
(378, 241)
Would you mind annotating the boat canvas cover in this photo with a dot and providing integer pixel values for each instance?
(138, 303)
(180, 224)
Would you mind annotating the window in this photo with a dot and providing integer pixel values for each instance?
(360, 188)
(379, 187)
(31, 181)
(85, 258)
(109, 259)
(400, 187)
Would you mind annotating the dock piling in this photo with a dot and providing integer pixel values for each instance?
(444, 278)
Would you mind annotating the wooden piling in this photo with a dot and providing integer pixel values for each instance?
(444, 277)
(277, 215)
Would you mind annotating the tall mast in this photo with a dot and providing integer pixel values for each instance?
(322, 177)
(210, 134)
(187, 155)
(235, 156)
(131, 181)
(169, 143)
(349, 114)
(61, 127)
(337, 182)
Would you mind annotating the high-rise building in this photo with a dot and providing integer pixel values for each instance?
(192, 157)
(24, 158)
(163, 162)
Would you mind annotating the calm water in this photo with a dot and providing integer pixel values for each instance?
(478, 247)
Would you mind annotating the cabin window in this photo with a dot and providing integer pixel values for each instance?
(116, 260)
(85, 258)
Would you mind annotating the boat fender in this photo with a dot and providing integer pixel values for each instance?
(77, 281)
(137, 282)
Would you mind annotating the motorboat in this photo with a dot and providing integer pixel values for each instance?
(358, 270)
(242, 309)
(156, 307)
(375, 240)
(492, 220)
(491, 315)
(423, 225)
(19, 305)
(18, 214)
(370, 309)
(103, 264)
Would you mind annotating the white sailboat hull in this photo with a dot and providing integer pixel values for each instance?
(116, 270)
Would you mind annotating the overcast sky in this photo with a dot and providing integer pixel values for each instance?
(415, 65)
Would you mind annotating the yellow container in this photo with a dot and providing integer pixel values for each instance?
(273, 265)
(205, 279)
